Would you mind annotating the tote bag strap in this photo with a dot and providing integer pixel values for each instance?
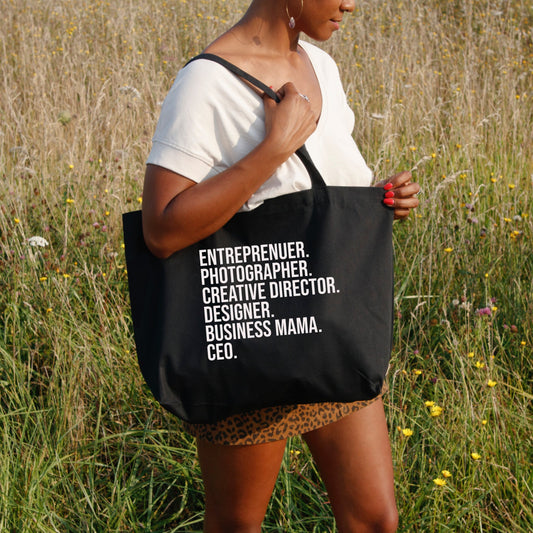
(302, 153)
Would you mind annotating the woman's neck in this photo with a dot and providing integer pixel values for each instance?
(265, 25)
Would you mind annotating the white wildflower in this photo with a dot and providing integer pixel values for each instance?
(38, 241)
(467, 306)
(128, 89)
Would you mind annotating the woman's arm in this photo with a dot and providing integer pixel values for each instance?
(178, 212)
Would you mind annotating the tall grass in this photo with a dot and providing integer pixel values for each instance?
(439, 87)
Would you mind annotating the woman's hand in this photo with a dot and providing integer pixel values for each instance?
(290, 122)
(400, 194)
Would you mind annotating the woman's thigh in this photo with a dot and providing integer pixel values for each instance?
(238, 482)
(353, 456)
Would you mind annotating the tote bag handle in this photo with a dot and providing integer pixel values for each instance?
(302, 153)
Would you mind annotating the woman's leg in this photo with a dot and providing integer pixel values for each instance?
(238, 482)
(354, 459)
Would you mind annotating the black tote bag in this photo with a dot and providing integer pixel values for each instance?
(289, 303)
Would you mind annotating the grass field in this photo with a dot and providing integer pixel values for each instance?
(441, 87)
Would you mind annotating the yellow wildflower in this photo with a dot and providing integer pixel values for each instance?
(429, 403)
(475, 456)
(439, 482)
(470, 354)
(491, 383)
(448, 250)
(446, 473)
(480, 364)
(407, 432)
(435, 410)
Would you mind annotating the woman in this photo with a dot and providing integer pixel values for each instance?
(220, 147)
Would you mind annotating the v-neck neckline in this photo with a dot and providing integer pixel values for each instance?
(318, 81)
(323, 107)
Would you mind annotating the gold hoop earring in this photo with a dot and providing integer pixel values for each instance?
(292, 20)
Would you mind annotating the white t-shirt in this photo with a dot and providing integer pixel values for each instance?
(211, 119)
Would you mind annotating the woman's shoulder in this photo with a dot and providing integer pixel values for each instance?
(204, 86)
(202, 76)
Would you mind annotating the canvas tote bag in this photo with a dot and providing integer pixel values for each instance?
(289, 303)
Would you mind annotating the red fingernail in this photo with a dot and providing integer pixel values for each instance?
(389, 202)
(388, 186)
(389, 194)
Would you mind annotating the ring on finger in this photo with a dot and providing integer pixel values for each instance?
(305, 97)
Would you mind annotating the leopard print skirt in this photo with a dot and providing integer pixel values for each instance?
(273, 423)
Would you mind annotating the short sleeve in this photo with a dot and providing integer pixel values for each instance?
(209, 121)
